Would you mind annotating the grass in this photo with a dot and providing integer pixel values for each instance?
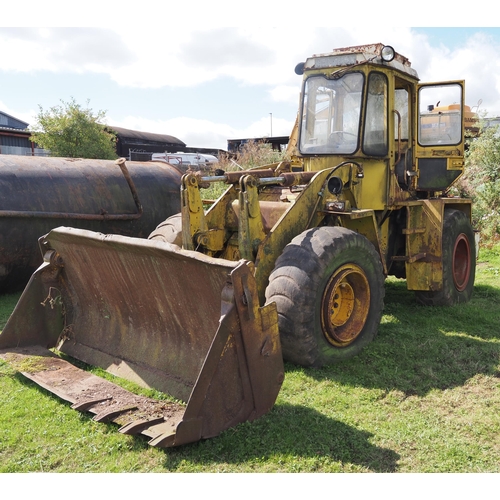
(423, 397)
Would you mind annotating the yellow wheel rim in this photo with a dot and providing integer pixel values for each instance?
(345, 305)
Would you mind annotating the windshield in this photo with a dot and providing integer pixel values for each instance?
(331, 114)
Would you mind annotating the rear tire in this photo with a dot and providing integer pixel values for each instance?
(459, 262)
(328, 285)
(170, 231)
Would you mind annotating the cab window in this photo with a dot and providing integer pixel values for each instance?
(331, 114)
(440, 115)
(375, 140)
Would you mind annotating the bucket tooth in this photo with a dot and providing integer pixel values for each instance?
(137, 426)
(106, 416)
(165, 440)
(86, 405)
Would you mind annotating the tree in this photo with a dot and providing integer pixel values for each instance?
(72, 131)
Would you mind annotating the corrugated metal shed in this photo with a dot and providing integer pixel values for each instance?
(7, 121)
(134, 140)
(14, 136)
(277, 143)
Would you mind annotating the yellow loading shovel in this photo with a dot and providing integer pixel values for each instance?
(174, 320)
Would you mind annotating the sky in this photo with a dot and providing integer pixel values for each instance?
(187, 72)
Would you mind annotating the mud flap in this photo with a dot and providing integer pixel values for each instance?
(174, 320)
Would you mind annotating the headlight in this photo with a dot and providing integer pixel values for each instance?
(335, 185)
(299, 69)
(387, 53)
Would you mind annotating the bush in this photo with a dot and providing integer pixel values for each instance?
(481, 183)
(70, 130)
(252, 154)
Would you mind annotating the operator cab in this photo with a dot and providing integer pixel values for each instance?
(341, 93)
(359, 102)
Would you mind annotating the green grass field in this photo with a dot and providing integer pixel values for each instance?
(423, 397)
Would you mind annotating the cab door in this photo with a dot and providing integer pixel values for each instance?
(440, 134)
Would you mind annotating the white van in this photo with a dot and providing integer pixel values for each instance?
(196, 161)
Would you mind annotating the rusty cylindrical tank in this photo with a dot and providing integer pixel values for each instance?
(38, 194)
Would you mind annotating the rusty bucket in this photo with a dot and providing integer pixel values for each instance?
(174, 320)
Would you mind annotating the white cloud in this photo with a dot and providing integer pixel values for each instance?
(286, 93)
(179, 56)
(225, 47)
(475, 61)
(63, 49)
(165, 53)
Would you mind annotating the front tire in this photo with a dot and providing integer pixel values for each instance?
(328, 285)
(459, 262)
(169, 231)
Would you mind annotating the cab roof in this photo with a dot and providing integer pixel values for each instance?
(359, 54)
